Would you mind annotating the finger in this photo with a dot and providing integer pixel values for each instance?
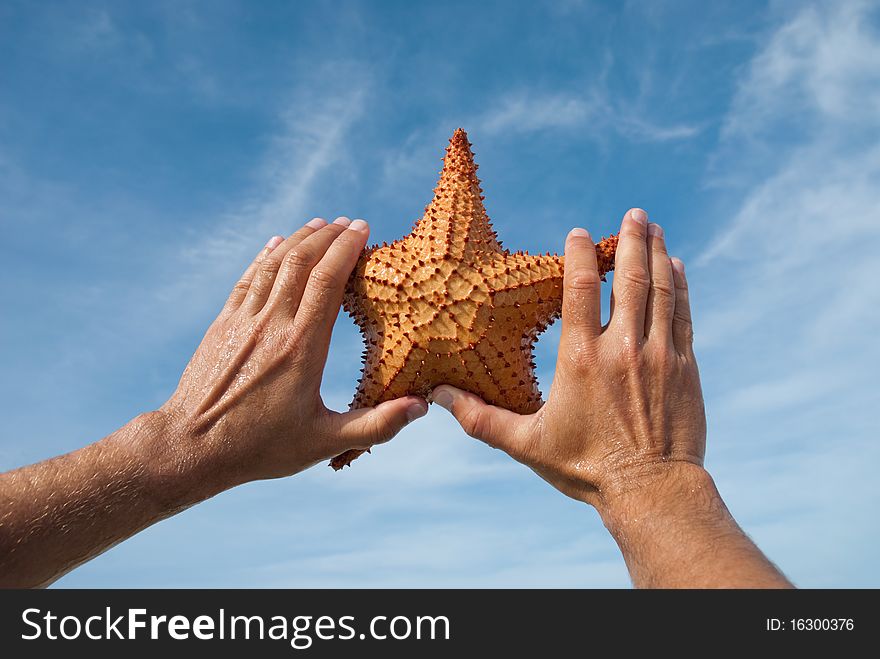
(661, 295)
(264, 276)
(241, 287)
(682, 324)
(298, 259)
(497, 427)
(325, 287)
(631, 278)
(299, 263)
(364, 427)
(581, 288)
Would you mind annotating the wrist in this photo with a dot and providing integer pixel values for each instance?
(173, 476)
(659, 494)
(675, 531)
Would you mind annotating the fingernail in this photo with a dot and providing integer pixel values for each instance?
(443, 398)
(358, 225)
(578, 232)
(316, 223)
(274, 241)
(344, 221)
(416, 411)
(678, 264)
(655, 230)
(639, 215)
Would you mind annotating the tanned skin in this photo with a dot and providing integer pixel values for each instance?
(623, 429)
(247, 408)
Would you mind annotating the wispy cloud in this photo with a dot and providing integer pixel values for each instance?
(91, 31)
(173, 283)
(314, 126)
(821, 65)
(526, 112)
(97, 30)
(592, 113)
(785, 294)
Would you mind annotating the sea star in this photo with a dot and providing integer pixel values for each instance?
(447, 304)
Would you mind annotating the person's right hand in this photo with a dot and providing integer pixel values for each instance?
(625, 409)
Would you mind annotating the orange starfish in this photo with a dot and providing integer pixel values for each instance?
(447, 304)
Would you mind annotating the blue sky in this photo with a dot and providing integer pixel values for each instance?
(148, 150)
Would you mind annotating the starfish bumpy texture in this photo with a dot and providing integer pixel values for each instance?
(447, 304)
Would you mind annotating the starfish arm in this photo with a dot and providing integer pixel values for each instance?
(539, 276)
(508, 379)
(524, 279)
(605, 251)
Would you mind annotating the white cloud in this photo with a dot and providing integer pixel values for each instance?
(639, 128)
(825, 60)
(311, 141)
(91, 31)
(96, 30)
(590, 112)
(526, 112)
(786, 300)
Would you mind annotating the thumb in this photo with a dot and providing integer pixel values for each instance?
(497, 427)
(364, 427)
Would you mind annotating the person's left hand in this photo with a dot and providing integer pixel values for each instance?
(248, 405)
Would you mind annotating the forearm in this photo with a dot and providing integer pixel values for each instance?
(676, 532)
(57, 514)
